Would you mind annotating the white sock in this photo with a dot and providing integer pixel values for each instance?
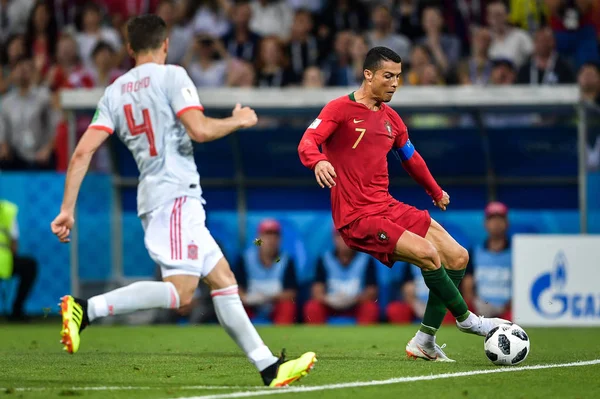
(471, 320)
(235, 321)
(424, 339)
(137, 296)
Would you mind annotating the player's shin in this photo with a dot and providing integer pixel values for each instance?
(440, 284)
(436, 310)
(235, 321)
(137, 296)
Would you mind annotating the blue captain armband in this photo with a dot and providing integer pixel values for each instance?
(405, 152)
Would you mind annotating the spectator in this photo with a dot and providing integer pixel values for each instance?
(573, 26)
(13, 17)
(303, 48)
(271, 66)
(488, 280)
(345, 284)
(337, 67)
(209, 17)
(271, 17)
(477, 68)
(507, 42)
(313, 78)
(358, 52)
(92, 32)
(68, 73)
(104, 72)
(267, 277)
(179, 37)
(41, 38)
(342, 15)
(546, 66)
(27, 123)
(444, 48)
(383, 34)
(206, 62)
(241, 42)
(420, 57)
(589, 83)
(407, 15)
(11, 264)
(240, 74)
(14, 50)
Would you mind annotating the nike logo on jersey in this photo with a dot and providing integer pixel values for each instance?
(358, 121)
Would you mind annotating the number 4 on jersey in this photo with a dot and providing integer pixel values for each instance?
(144, 128)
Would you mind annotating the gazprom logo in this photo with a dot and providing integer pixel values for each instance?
(549, 298)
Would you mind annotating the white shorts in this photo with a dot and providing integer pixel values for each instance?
(177, 239)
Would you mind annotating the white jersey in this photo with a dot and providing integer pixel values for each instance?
(143, 107)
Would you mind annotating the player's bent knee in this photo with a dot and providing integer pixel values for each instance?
(221, 276)
(428, 256)
(458, 260)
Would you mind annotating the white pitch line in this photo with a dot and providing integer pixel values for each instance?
(390, 381)
(132, 388)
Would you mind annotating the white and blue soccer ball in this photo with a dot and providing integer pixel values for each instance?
(506, 345)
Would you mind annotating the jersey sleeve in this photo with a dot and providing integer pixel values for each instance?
(103, 119)
(317, 133)
(183, 95)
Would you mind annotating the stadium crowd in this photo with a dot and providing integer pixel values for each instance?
(49, 45)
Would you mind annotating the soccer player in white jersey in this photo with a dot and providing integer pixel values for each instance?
(156, 112)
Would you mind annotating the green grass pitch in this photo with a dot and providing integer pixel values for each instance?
(160, 362)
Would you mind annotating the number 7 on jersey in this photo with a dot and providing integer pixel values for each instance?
(362, 133)
(144, 128)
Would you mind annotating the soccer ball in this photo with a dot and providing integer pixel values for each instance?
(506, 345)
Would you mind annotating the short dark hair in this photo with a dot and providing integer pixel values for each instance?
(377, 55)
(146, 32)
(101, 46)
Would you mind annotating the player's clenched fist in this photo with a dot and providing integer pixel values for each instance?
(62, 225)
(443, 203)
(325, 174)
(245, 116)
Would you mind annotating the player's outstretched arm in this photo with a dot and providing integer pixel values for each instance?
(203, 129)
(416, 167)
(315, 135)
(78, 166)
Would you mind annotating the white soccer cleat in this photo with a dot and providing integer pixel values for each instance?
(431, 352)
(482, 326)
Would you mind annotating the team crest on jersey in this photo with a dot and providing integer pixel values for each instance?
(388, 127)
(382, 235)
(192, 251)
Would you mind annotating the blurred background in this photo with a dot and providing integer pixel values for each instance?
(501, 98)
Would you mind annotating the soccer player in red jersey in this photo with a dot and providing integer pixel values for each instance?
(356, 132)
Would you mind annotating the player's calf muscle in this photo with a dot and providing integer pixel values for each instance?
(416, 250)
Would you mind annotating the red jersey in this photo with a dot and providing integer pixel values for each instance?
(356, 141)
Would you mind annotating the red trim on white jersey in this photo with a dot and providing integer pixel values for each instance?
(103, 128)
(198, 107)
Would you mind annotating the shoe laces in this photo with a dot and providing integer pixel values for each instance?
(439, 349)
